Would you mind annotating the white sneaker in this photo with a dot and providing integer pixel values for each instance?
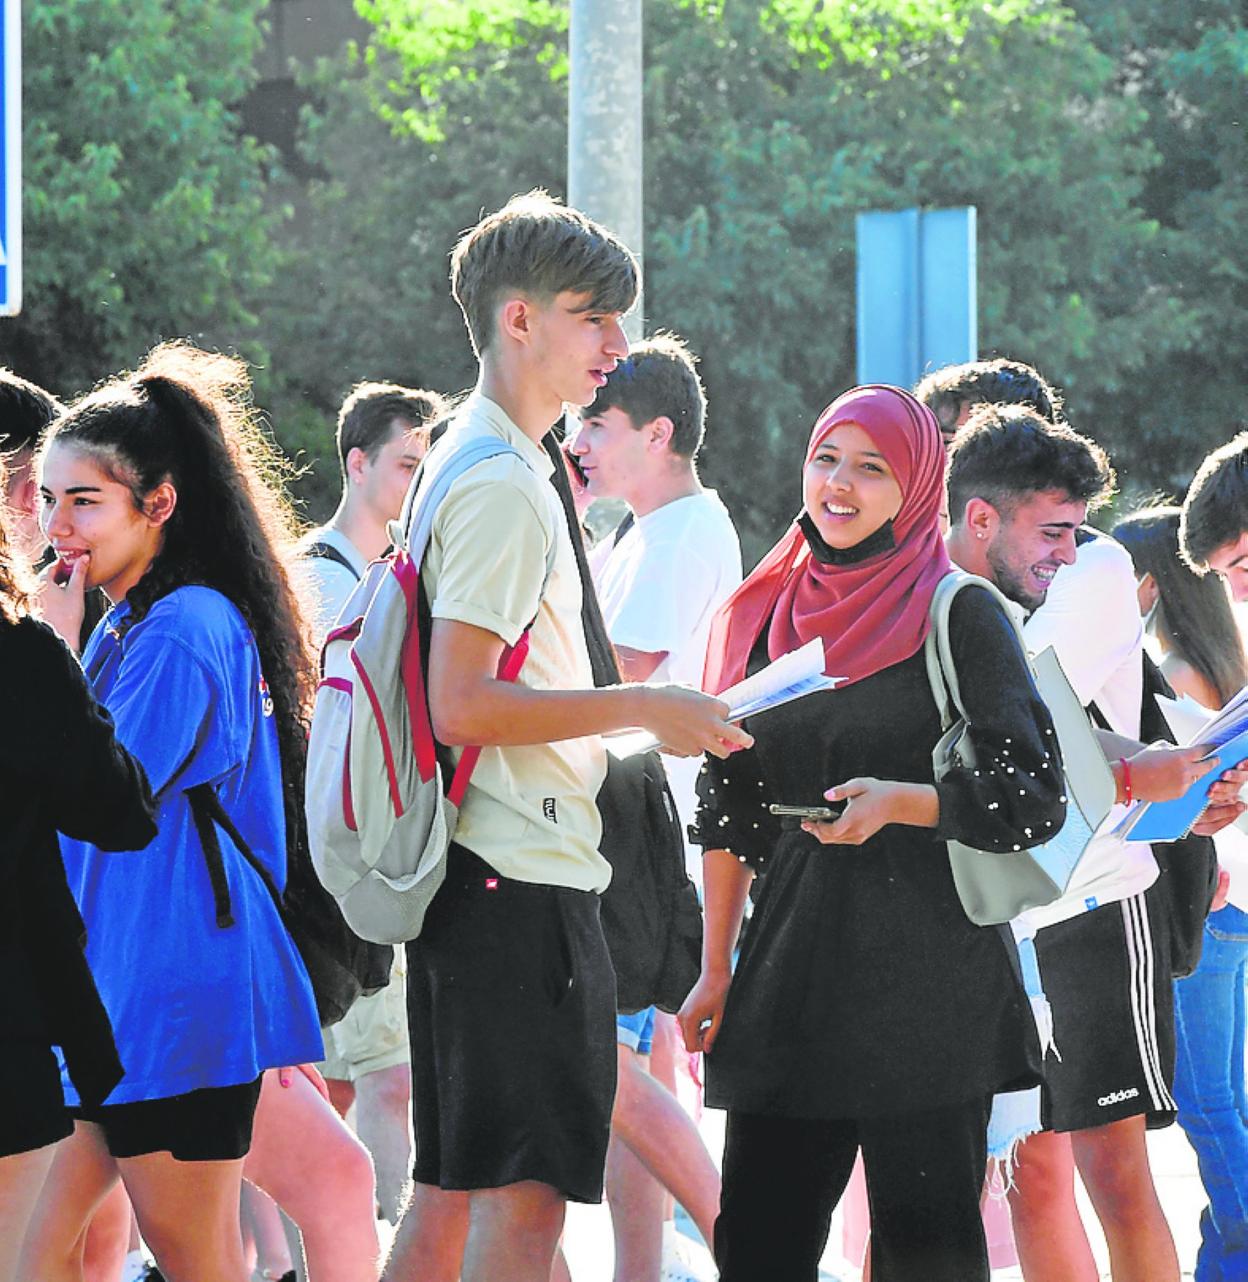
(685, 1260)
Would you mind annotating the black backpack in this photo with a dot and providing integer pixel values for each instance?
(342, 966)
(650, 912)
(1189, 867)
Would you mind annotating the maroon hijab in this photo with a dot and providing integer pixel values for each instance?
(869, 614)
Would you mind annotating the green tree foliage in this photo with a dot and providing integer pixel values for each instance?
(1185, 62)
(145, 212)
(768, 127)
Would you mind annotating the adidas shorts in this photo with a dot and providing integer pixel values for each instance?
(1107, 977)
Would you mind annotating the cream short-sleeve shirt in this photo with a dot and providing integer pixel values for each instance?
(530, 811)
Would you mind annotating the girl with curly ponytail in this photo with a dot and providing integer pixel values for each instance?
(158, 487)
(61, 768)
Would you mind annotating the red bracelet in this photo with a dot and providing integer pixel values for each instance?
(1126, 780)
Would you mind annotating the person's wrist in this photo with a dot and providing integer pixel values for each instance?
(638, 703)
(917, 805)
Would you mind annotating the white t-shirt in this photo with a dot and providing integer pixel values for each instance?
(325, 585)
(661, 584)
(1091, 618)
(659, 587)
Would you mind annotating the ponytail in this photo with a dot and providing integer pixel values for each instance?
(185, 417)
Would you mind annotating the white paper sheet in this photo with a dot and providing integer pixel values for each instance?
(793, 675)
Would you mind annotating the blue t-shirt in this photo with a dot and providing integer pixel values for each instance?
(192, 1005)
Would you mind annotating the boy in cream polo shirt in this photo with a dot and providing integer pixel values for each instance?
(511, 996)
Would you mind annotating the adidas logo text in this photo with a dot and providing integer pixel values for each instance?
(1116, 1097)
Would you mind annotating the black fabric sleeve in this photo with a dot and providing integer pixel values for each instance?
(732, 810)
(59, 741)
(1014, 798)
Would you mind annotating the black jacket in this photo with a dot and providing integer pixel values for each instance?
(61, 769)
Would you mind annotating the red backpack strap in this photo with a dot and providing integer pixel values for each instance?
(509, 666)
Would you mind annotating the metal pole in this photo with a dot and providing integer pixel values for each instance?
(604, 121)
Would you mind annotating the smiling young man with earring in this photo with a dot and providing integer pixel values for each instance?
(1019, 491)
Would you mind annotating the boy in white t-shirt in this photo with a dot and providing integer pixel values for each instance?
(660, 579)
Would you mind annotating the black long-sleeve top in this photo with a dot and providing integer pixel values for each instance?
(862, 988)
(61, 769)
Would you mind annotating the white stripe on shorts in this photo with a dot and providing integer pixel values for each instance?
(1141, 979)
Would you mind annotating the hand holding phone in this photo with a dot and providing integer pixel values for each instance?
(818, 814)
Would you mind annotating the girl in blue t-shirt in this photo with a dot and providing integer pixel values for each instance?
(157, 482)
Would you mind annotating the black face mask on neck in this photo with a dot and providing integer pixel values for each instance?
(881, 541)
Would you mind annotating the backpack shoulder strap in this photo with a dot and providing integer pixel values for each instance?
(415, 524)
(209, 814)
(327, 552)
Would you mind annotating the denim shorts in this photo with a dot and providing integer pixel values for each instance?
(636, 1031)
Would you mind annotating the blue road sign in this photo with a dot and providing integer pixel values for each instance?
(917, 275)
(11, 158)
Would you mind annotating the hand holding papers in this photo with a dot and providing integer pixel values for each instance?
(789, 677)
(1226, 733)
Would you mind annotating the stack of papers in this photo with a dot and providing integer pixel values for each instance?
(790, 677)
(1226, 734)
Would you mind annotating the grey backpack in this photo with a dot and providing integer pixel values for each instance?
(380, 812)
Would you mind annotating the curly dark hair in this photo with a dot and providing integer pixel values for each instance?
(1003, 453)
(946, 392)
(15, 585)
(185, 417)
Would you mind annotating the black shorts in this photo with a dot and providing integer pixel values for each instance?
(209, 1125)
(32, 1104)
(511, 1015)
(1107, 977)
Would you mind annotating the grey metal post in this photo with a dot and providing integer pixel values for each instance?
(604, 121)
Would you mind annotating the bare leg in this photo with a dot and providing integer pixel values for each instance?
(429, 1246)
(341, 1095)
(383, 1103)
(1052, 1243)
(108, 1238)
(21, 1180)
(513, 1233)
(188, 1215)
(272, 1250)
(306, 1159)
(81, 1177)
(559, 1271)
(1113, 1161)
(650, 1120)
(636, 1200)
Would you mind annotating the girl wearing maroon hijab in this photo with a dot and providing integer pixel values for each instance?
(866, 1011)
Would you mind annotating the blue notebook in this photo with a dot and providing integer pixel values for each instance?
(1170, 820)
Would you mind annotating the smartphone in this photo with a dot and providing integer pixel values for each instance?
(575, 465)
(806, 812)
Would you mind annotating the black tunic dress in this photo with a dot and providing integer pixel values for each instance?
(60, 769)
(862, 988)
